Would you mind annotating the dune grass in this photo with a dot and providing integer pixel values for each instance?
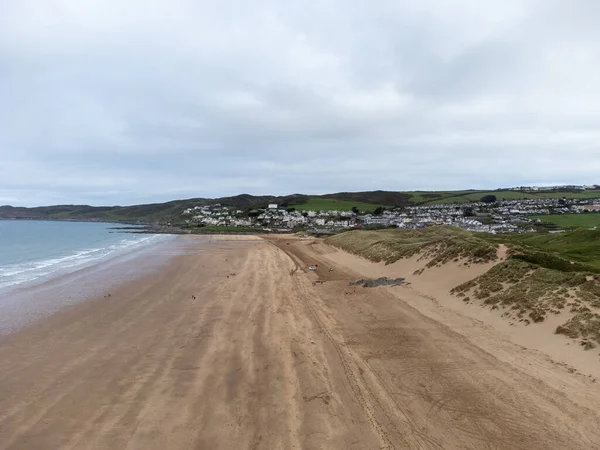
(528, 287)
(441, 243)
(578, 246)
(543, 273)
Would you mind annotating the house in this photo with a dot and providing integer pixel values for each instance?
(376, 221)
(272, 206)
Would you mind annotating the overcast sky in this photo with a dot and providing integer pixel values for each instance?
(122, 102)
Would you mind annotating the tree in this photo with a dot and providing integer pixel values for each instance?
(488, 198)
(355, 210)
(292, 209)
(378, 211)
(468, 212)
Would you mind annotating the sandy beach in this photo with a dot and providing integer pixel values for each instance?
(232, 345)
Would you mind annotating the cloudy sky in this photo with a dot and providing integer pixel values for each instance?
(122, 102)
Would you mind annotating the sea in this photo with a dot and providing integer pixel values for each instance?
(35, 250)
(46, 265)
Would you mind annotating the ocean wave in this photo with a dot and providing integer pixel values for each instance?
(15, 274)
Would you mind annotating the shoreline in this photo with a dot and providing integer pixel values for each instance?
(232, 341)
(24, 303)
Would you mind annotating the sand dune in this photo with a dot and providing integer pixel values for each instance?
(429, 292)
(264, 359)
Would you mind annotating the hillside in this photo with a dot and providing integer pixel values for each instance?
(432, 198)
(365, 201)
(540, 276)
(150, 213)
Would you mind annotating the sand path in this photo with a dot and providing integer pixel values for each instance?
(267, 360)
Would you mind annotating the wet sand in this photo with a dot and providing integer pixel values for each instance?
(265, 359)
(30, 301)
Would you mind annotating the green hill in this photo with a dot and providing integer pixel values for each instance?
(474, 196)
(365, 201)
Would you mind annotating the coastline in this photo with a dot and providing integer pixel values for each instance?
(32, 300)
(232, 341)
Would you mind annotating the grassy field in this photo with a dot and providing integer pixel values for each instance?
(473, 196)
(431, 197)
(476, 196)
(582, 246)
(572, 220)
(327, 204)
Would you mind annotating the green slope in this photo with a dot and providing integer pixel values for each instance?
(330, 204)
(365, 201)
(571, 220)
(474, 196)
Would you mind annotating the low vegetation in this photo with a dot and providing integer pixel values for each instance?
(571, 220)
(440, 244)
(542, 274)
(540, 278)
(528, 292)
(584, 325)
(330, 204)
(578, 246)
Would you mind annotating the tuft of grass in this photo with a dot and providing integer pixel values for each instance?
(510, 271)
(533, 289)
(584, 324)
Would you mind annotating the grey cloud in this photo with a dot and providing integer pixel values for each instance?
(124, 102)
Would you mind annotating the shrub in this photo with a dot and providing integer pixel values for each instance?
(488, 198)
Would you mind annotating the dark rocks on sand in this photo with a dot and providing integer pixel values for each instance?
(382, 281)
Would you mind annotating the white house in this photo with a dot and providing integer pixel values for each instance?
(376, 221)
(272, 206)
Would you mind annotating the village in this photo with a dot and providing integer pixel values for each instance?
(505, 216)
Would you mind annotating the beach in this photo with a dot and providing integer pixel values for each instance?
(232, 344)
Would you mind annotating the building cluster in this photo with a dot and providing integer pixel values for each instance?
(272, 218)
(568, 187)
(498, 217)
